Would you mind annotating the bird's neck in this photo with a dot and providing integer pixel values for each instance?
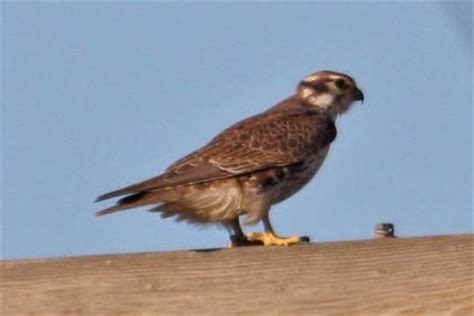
(296, 104)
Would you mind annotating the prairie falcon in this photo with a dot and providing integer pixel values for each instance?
(252, 165)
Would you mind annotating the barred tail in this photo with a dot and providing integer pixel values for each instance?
(132, 201)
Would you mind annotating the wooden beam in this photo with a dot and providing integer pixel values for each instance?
(423, 275)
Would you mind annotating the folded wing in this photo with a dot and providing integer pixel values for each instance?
(260, 142)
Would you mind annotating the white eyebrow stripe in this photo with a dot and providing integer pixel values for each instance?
(314, 77)
(334, 77)
(311, 78)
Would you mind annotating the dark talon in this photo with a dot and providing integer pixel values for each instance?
(305, 239)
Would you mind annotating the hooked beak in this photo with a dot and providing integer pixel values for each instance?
(357, 95)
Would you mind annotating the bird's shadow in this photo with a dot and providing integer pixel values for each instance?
(207, 250)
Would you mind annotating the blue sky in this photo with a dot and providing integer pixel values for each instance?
(96, 96)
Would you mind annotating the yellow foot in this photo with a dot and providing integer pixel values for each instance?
(241, 241)
(269, 239)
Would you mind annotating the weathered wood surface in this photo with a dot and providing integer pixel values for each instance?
(410, 276)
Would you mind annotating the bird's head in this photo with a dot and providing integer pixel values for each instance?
(331, 91)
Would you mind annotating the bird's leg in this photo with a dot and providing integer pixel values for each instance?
(239, 239)
(268, 238)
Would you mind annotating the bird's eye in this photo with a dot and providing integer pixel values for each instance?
(341, 84)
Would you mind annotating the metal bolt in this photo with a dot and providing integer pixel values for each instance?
(385, 230)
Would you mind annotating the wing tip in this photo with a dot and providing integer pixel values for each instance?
(106, 196)
(98, 199)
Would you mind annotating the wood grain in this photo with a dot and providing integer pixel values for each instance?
(406, 276)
